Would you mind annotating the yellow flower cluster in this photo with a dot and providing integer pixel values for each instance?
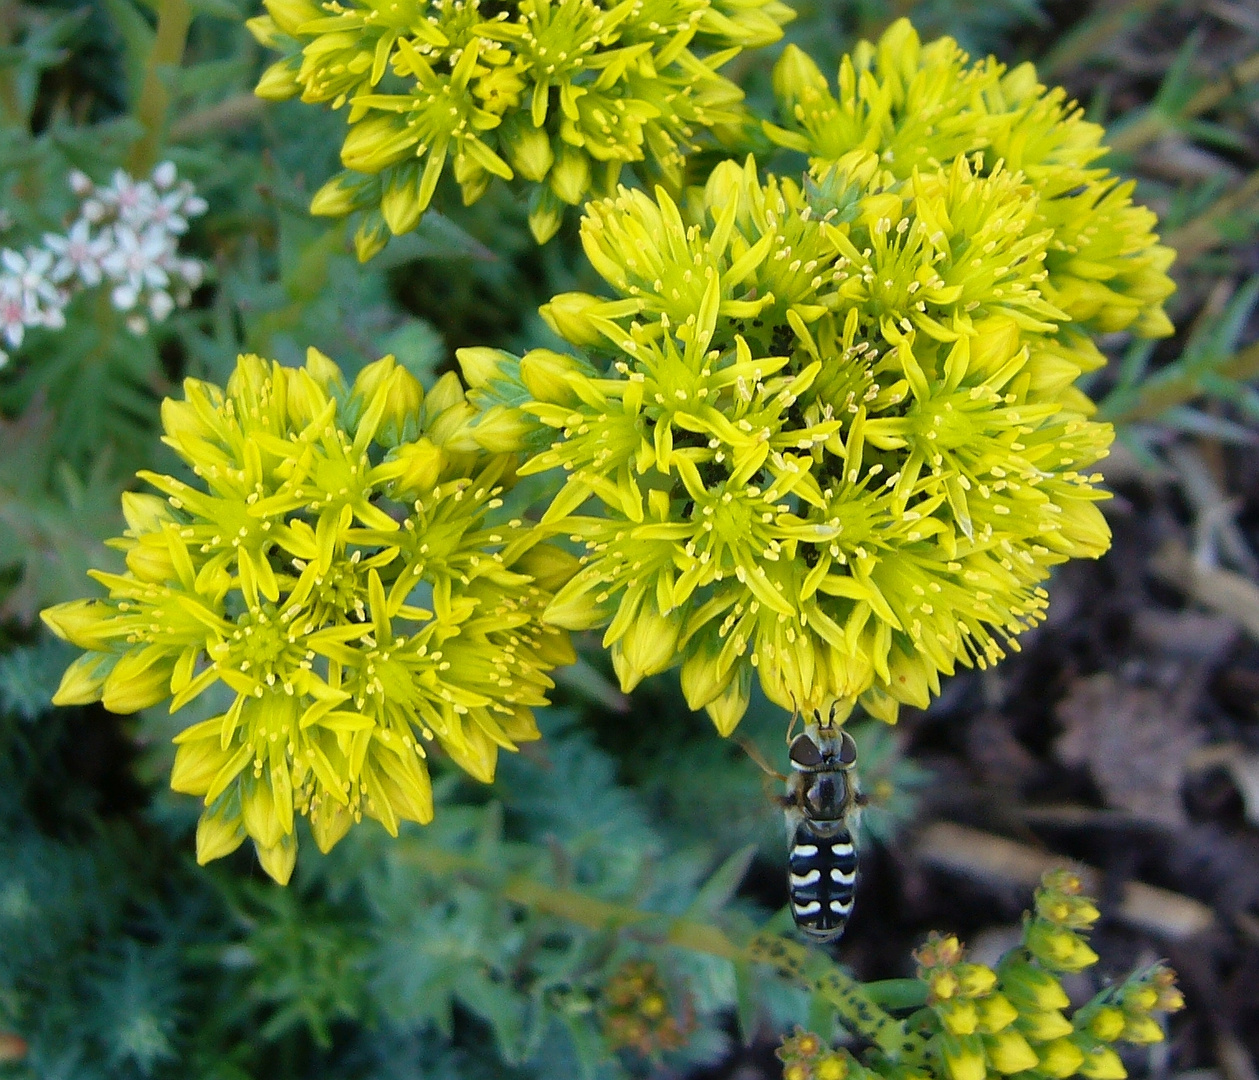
(922, 107)
(339, 562)
(831, 430)
(560, 93)
(1010, 1019)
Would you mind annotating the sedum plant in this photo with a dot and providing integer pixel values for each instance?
(826, 433)
(340, 563)
(919, 107)
(826, 447)
(561, 94)
(1013, 1018)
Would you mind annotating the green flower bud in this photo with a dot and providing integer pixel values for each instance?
(1060, 1058)
(567, 313)
(219, 832)
(703, 675)
(404, 199)
(374, 143)
(370, 237)
(964, 1057)
(145, 513)
(647, 646)
(570, 175)
(84, 680)
(1102, 1063)
(278, 860)
(290, 15)
(995, 1013)
(548, 375)
(86, 624)
(1059, 948)
(1142, 1029)
(1106, 1024)
(975, 980)
(1032, 987)
(529, 149)
(140, 678)
(958, 1017)
(727, 709)
(797, 76)
(546, 214)
(1041, 1026)
(1009, 1052)
(338, 197)
(501, 430)
(279, 81)
(480, 365)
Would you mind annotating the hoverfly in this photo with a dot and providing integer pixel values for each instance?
(821, 812)
(821, 807)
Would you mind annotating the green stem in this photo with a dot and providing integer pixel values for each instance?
(790, 959)
(173, 19)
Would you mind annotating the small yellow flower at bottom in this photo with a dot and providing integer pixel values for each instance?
(340, 561)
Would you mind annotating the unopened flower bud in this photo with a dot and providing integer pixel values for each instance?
(1141, 998)
(566, 314)
(1009, 1052)
(84, 623)
(975, 980)
(728, 707)
(530, 151)
(1107, 1023)
(1141, 1030)
(995, 1013)
(480, 366)
(279, 859)
(795, 75)
(547, 375)
(1044, 1025)
(338, 197)
(289, 15)
(502, 430)
(1060, 1058)
(219, 832)
(570, 175)
(279, 81)
(1059, 948)
(83, 680)
(648, 646)
(1029, 986)
(958, 1017)
(964, 1057)
(1102, 1063)
(140, 678)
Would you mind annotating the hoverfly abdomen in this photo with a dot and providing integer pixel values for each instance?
(821, 879)
(821, 813)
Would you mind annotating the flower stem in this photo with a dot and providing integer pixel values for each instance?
(792, 960)
(173, 19)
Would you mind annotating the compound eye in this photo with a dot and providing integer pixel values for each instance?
(804, 752)
(847, 749)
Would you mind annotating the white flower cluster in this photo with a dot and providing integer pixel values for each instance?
(127, 235)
